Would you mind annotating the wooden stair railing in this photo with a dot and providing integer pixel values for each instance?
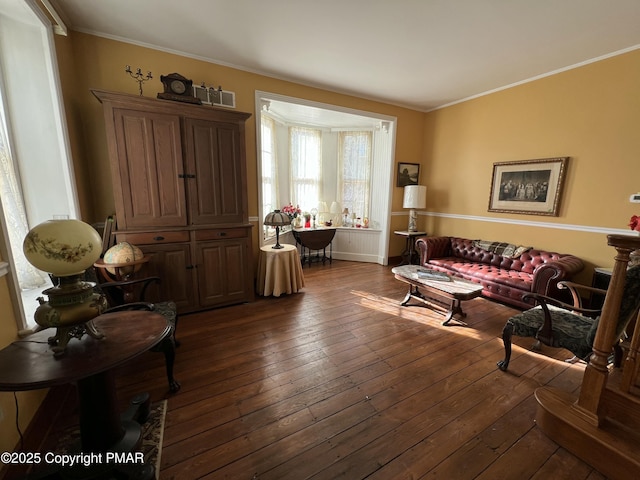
(602, 425)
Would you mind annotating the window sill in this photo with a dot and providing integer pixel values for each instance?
(356, 229)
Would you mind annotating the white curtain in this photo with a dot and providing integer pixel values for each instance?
(269, 165)
(354, 180)
(14, 212)
(305, 153)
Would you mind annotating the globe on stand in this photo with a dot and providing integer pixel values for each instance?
(123, 260)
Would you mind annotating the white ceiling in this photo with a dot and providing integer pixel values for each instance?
(417, 53)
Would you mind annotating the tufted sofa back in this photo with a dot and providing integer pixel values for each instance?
(527, 262)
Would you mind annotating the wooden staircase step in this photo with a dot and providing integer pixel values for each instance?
(621, 407)
(611, 448)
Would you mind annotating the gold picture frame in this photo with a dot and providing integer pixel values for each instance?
(530, 187)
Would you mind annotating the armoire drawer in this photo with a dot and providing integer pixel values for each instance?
(221, 233)
(150, 238)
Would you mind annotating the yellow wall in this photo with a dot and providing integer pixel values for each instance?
(590, 114)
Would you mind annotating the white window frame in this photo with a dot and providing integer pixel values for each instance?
(27, 48)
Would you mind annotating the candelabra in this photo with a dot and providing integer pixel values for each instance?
(138, 76)
(204, 85)
(214, 95)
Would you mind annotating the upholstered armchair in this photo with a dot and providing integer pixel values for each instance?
(572, 327)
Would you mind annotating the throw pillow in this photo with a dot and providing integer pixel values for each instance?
(508, 250)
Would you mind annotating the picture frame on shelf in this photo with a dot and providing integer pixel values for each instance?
(408, 174)
(531, 187)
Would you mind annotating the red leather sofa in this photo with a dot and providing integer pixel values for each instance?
(503, 278)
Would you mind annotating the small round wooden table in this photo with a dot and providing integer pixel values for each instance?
(29, 364)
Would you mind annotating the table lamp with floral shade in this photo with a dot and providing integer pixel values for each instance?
(65, 248)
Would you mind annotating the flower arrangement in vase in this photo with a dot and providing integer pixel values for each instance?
(293, 212)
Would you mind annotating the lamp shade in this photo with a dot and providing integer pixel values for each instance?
(277, 219)
(415, 196)
(62, 247)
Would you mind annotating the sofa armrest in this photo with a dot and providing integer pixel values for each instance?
(547, 275)
(433, 247)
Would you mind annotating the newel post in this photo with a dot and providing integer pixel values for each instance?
(597, 371)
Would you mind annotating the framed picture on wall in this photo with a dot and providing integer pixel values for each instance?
(531, 187)
(408, 174)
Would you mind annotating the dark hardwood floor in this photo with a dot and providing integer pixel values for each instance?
(340, 381)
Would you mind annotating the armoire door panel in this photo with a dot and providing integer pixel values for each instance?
(222, 272)
(230, 189)
(172, 264)
(150, 161)
(211, 267)
(235, 280)
(211, 154)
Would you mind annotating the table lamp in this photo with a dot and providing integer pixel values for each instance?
(335, 210)
(277, 219)
(65, 249)
(415, 196)
(345, 215)
(323, 212)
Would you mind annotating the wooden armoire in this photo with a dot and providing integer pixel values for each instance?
(180, 191)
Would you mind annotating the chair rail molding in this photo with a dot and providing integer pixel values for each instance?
(529, 223)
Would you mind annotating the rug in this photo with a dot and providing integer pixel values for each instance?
(152, 435)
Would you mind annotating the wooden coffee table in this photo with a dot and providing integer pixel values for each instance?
(446, 297)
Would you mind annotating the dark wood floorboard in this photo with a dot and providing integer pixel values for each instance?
(340, 381)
